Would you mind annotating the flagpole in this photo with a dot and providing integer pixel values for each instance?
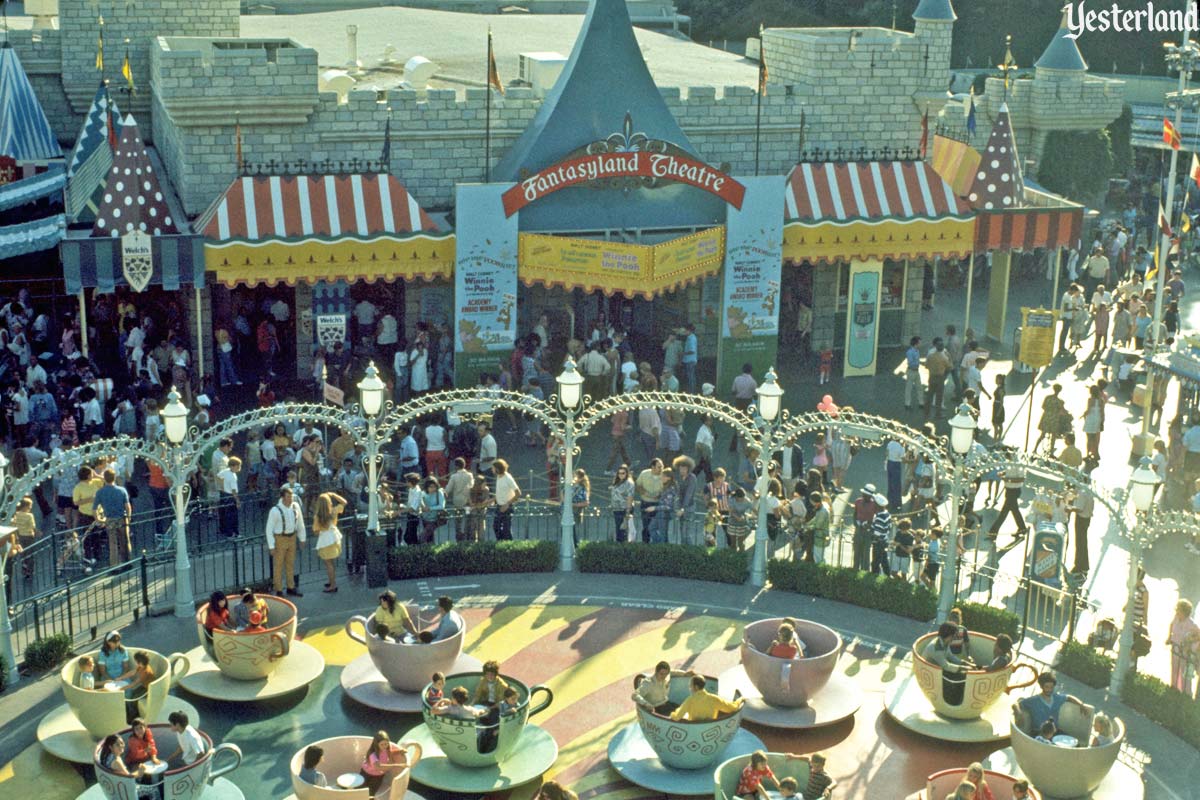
(1164, 252)
(487, 114)
(762, 89)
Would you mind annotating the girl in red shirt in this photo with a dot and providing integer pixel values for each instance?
(786, 645)
(750, 784)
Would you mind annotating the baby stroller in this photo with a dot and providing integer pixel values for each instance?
(72, 561)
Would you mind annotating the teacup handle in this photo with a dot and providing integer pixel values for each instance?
(180, 666)
(414, 751)
(540, 707)
(284, 648)
(1029, 682)
(350, 629)
(234, 751)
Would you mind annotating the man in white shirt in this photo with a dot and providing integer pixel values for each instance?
(364, 315)
(280, 311)
(389, 331)
(285, 533)
(895, 472)
(35, 373)
(227, 486)
(1072, 302)
(487, 452)
(304, 430)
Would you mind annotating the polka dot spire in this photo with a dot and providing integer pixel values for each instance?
(998, 184)
(132, 198)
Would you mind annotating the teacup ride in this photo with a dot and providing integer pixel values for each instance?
(784, 765)
(964, 706)
(72, 730)
(343, 758)
(201, 780)
(486, 754)
(942, 784)
(247, 666)
(391, 675)
(792, 693)
(676, 757)
(1068, 767)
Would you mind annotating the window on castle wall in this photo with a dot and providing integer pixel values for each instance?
(891, 290)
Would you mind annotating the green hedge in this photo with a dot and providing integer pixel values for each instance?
(1169, 707)
(665, 561)
(853, 586)
(1085, 664)
(472, 558)
(47, 653)
(990, 620)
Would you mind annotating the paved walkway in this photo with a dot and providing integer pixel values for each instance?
(1171, 768)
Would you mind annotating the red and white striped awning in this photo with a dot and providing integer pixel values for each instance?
(293, 207)
(841, 193)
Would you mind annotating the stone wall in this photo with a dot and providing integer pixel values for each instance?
(437, 135)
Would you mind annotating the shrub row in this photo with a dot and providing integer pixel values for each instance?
(48, 652)
(990, 620)
(472, 558)
(1085, 664)
(848, 585)
(1169, 707)
(665, 561)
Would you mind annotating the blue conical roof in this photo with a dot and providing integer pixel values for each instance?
(1062, 53)
(604, 80)
(935, 10)
(25, 134)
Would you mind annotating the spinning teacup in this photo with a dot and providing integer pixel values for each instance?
(789, 682)
(344, 755)
(943, 784)
(687, 744)
(491, 738)
(103, 711)
(965, 694)
(406, 667)
(785, 765)
(251, 655)
(1068, 767)
(179, 781)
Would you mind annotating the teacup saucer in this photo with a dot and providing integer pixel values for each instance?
(63, 735)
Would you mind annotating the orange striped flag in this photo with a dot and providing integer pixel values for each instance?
(1170, 135)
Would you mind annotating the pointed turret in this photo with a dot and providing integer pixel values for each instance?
(935, 11)
(605, 93)
(998, 184)
(1062, 53)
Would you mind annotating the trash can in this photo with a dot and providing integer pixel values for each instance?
(377, 559)
(1018, 364)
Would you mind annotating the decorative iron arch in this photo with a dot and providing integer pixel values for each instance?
(865, 428)
(977, 466)
(489, 399)
(76, 457)
(741, 421)
(195, 445)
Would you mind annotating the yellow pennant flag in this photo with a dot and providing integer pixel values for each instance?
(493, 76)
(100, 48)
(127, 71)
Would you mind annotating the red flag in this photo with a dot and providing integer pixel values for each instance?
(1164, 224)
(925, 132)
(1195, 171)
(1170, 135)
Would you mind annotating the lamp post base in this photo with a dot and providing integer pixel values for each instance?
(185, 601)
(377, 560)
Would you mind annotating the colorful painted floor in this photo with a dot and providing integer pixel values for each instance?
(588, 656)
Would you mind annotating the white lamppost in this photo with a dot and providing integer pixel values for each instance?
(6, 631)
(175, 426)
(962, 436)
(1143, 484)
(570, 395)
(370, 392)
(770, 401)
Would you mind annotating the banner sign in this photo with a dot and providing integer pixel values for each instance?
(1037, 336)
(331, 329)
(485, 283)
(668, 167)
(862, 317)
(753, 261)
(137, 259)
(632, 269)
(626, 159)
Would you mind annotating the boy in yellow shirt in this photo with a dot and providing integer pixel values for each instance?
(702, 704)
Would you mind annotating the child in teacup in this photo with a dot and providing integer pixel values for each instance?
(511, 702)
(87, 675)
(436, 690)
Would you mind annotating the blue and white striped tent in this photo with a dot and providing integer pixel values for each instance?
(25, 134)
(91, 158)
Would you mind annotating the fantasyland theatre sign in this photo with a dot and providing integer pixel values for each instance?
(624, 160)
